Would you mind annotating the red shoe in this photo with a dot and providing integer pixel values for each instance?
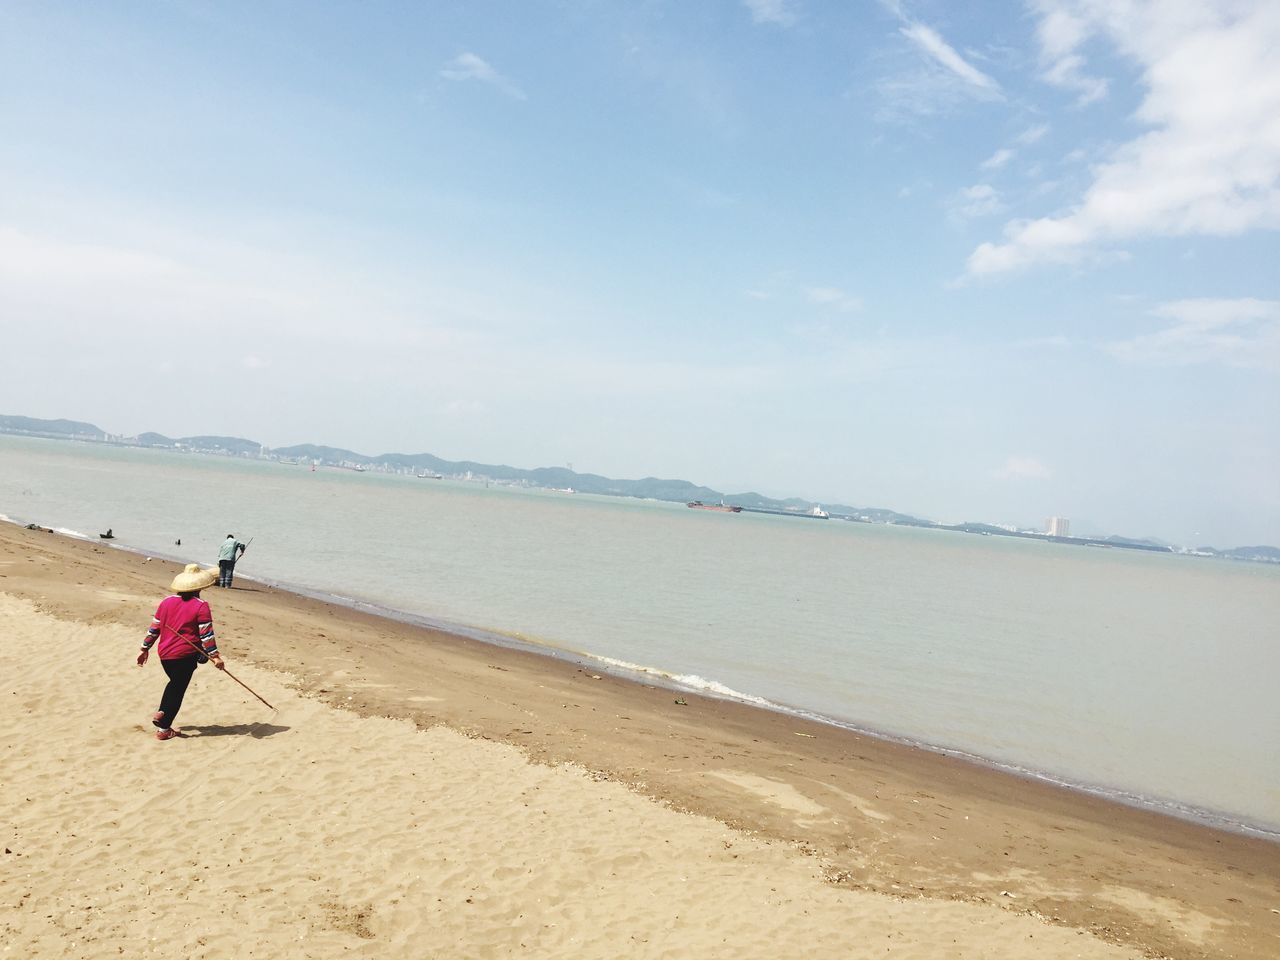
(166, 734)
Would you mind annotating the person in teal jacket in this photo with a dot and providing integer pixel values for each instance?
(231, 551)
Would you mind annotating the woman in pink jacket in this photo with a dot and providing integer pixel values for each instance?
(184, 627)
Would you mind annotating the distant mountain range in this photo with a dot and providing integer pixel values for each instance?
(559, 478)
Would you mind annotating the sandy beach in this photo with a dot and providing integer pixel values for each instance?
(418, 794)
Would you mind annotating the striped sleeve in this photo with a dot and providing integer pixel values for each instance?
(205, 629)
(153, 633)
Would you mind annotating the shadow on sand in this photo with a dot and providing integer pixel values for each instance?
(256, 730)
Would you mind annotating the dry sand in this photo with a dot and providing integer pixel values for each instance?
(424, 795)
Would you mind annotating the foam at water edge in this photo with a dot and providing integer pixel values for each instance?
(76, 534)
(689, 681)
(695, 682)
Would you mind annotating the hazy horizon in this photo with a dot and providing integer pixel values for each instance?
(1080, 526)
(996, 264)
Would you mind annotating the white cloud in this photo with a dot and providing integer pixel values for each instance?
(942, 53)
(1066, 72)
(1210, 161)
(252, 362)
(1001, 157)
(833, 297)
(944, 79)
(1022, 468)
(979, 200)
(1061, 31)
(1243, 333)
(780, 12)
(1032, 135)
(997, 159)
(468, 66)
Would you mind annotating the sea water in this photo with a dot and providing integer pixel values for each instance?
(1148, 677)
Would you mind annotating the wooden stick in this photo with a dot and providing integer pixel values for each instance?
(197, 649)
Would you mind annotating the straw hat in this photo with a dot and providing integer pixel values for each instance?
(193, 578)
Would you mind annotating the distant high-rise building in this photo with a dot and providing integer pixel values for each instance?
(1058, 526)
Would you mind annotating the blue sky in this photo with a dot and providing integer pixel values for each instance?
(993, 265)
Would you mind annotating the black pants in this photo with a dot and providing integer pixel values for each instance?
(226, 569)
(179, 673)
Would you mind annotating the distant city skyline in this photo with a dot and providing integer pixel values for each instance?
(1004, 262)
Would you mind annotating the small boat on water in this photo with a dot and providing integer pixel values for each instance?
(717, 507)
(430, 476)
(815, 513)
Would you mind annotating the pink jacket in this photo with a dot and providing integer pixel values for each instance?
(178, 624)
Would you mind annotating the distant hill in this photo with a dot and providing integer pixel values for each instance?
(1147, 543)
(227, 444)
(50, 428)
(309, 451)
(561, 478)
(553, 477)
(205, 444)
(1266, 554)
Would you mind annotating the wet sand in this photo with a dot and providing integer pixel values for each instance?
(423, 794)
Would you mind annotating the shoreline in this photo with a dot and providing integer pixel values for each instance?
(878, 815)
(711, 689)
(708, 687)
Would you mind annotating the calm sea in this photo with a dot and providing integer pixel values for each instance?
(1148, 677)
